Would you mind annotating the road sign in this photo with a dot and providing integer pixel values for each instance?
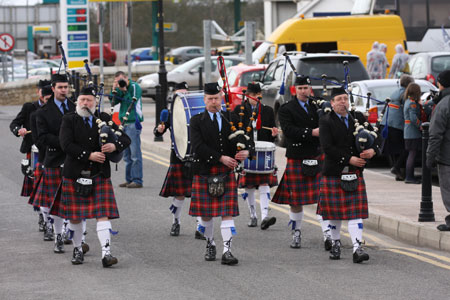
(42, 29)
(6, 42)
(168, 27)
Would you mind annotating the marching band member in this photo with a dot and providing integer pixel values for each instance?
(20, 127)
(252, 181)
(86, 191)
(300, 183)
(48, 122)
(342, 188)
(214, 187)
(177, 184)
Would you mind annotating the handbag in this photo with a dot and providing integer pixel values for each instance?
(349, 182)
(216, 185)
(84, 187)
(310, 167)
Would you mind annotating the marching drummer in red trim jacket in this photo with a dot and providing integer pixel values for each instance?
(300, 183)
(177, 184)
(264, 129)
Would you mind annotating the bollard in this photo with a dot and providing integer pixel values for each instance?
(426, 213)
(200, 78)
(158, 107)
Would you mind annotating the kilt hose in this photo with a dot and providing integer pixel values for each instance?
(336, 204)
(27, 186)
(38, 172)
(295, 188)
(101, 203)
(253, 180)
(174, 183)
(204, 205)
(47, 187)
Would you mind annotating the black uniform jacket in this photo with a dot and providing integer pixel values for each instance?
(78, 140)
(34, 135)
(297, 126)
(22, 120)
(267, 120)
(173, 157)
(338, 143)
(209, 144)
(48, 120)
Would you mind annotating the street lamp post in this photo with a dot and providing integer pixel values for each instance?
(161, 102)
(426, 213)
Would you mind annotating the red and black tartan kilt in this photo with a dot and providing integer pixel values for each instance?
(295, 188)
(27, 186)
(203, 205)
(336, 204)
(48, 185)
(101, 203)
(253, 180)
(175, 184)
(38, 172)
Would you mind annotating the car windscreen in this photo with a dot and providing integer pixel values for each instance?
(440, 63)
(333, 68)
(250, 76)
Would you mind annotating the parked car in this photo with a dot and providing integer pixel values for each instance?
(39, 72)
(149, 63)
(140, 54)
(183, 54)
(239, 77)
(109, 55)
(428, 65)
(380, 90)
(188, 72)
(19, 74)
(43, 63)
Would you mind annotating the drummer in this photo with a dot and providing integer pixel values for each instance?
(264, 129)
(301, 180)
(177, 183)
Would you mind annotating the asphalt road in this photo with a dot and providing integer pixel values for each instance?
(154, 265)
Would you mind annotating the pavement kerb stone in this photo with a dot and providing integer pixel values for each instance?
(394, 228)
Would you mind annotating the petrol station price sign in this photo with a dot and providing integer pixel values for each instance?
(75, 31)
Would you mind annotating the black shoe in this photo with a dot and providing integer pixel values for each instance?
(253, 222)
(296, 239)
(229, 259)
(398, 174)
(359, 256)
(335, 252)
(48, 233)
(267, 222)
(327, 244)
(443, 227)
(109, 260)
(199, 235)
(175, 230)
(413, 181)
(85, 248)
(210, 252)
(41, 223)
(59, 244)
(78, 257)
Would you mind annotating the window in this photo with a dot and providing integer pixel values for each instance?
(420, 69)
(413, 14)
(439, 13)
(319, 47)
(269, 75)
(440, 63)
(279, 71)
(250, 76)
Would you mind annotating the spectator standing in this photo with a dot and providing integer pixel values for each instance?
(385, 63)
(399, 63)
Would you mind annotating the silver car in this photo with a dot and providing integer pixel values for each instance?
(183, 54)
(188, 72)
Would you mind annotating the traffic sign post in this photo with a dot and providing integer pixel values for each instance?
(6, 44)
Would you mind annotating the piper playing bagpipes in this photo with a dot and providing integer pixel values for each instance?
(214, 189)
(263, 129)
(86, 191)
(342, 189)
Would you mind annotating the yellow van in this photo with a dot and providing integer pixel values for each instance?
(354, 34)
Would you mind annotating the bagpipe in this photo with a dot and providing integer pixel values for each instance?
(70, 78)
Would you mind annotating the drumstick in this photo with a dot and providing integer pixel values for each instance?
(29, 131)
(268, 128)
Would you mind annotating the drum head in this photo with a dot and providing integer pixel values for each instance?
(264, 146)
(179, 127)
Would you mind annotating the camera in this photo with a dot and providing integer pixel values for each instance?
(122, 83)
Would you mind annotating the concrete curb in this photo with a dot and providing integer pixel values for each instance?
(403, 230)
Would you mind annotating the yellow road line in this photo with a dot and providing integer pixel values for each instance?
(388, 246)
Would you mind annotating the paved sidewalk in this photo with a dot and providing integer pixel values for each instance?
(393, 206)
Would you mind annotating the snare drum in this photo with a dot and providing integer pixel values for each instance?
(265, 159)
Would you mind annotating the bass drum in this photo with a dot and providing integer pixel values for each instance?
(183, 108)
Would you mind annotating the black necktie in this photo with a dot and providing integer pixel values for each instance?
(216, 123)
(307, 107)
(64, 107)
(343, 120)
(86, 121)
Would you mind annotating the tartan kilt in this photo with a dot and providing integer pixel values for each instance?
(27, 186)
(253, 180)
(336, 204)
(174, 183)
(203, 205)
(295, 188)
(38, 171)
(48, 185)
(101, 203)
